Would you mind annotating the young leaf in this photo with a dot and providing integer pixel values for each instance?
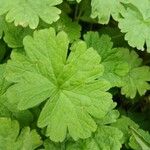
(11, 136)
(68, 84)
(26, 13)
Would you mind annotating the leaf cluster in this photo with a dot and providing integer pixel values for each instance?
(74, 75)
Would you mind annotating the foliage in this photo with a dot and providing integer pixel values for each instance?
(74, 75)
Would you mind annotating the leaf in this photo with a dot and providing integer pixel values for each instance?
(3, 83)
(7, 109)
(123, 124)
(122, 68)
(85, 12)
(141, 118)
(49, 145)
(2, 26)
(12, 35)
(26, 13)
(16, 139)
(115, 67)
(106, 138)
(140, 139)
(3, 86)
(136, 79)
(74, 0)
(115, 35)
(72, 28)
(135, 23)
(111, 117)
(68, 84)
(104, 9)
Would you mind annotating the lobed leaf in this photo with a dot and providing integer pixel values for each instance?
(25, 13)
(68, 84)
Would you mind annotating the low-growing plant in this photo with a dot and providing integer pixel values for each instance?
(74, 74)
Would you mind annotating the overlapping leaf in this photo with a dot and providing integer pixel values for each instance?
(72, 28)
(103, 9)
(7, 109)
(3, 86)
(122, 68)
(123, 124)
(140, 139)
(135, 23)
(12, 35)
(133, 136)
(12, 138)
(137, 77)
(68, 84)
(25, 13)
(106, 138)
(115, 67)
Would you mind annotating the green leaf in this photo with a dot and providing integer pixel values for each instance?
(68, 84)
(122, 68)
(85, 12)
(137, 77)
(135, 23)
(103, 9)
(12, 137)
(3, 83)
(49, 145)
(106, 138)
(26, 13)
(2, 26)
(3, 86)
(72, 28)
(7, 109)
(110, 117)
(115, 34)
(140, 139)
(115, 67)
(13, 36)
(123, 124)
